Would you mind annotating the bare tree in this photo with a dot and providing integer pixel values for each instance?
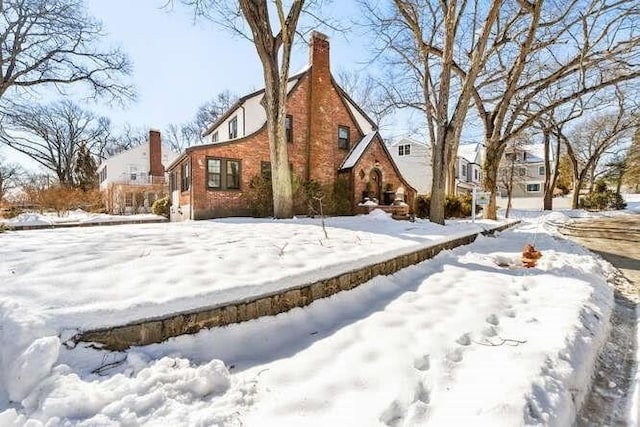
(55, 42)
(437, 49)
(592, 138)
(369, 94)
(273, 46)
(573, 49)
(10, 175)
(632, 171)
(190, 133)
(52, 134)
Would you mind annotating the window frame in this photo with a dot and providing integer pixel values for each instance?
(209, 173)
(541, 170)
(185, 176)
(407, 149)
(233, 127)
(223, 174)
(401, 150)
(344, 143)
(214, 137)
(288, 131)
(534, 184)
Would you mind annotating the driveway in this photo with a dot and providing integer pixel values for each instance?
(616, 239)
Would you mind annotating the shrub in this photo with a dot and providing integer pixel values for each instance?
(12, 212)
(454, 206)
(259, 195)
(602, 198)
(162, 206)
(422, 205)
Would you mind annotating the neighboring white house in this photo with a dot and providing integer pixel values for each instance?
(132, 180)
(469, 167)
(528, 161)
(413, 158)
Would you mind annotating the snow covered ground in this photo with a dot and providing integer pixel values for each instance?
(468, 337)
(75, 216)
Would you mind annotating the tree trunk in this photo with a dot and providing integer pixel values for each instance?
(491, 167)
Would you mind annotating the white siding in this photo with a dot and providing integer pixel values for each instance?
(415, 167)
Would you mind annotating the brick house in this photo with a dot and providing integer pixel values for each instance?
(329, 137)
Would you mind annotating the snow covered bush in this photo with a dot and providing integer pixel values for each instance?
(161, 206)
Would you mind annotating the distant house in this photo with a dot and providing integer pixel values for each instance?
(132, 180)
(414, 161)
(469, 167)
(329, 137)
(529, 168)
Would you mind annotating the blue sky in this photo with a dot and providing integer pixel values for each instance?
(179, 64)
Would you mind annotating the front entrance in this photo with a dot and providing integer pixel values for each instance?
(375, 179)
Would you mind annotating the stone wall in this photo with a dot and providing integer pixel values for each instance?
(159, 329)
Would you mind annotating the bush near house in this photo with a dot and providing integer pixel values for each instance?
(454, 206)
(602, 198)
(162, 206)
(308, 197)
(61, 199)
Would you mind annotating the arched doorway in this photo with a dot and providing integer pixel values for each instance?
(375, 179)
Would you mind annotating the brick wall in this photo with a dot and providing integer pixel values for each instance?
(376, 158)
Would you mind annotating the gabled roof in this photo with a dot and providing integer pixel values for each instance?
(357, 151)
(295, 78)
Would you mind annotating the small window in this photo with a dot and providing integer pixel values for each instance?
(407, 149)
(128, 199)
(288, 128)
(133, 172)
(533, 188)
(400, 150)
(233, 174)
(265, 170)
(343, 137)
(184, 172)
(214, 137)
(172, 181)
(233, 128)
(541, 170)
(223, 174)
(464, 171)
(214, 173)
(475, 174)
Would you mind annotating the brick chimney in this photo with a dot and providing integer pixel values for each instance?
(320, 157)
(155, 154)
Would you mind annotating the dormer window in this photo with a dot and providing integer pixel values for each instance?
(343, 137)
(233, 128)
(404, 149)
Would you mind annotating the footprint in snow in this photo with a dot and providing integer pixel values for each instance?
(510, 313)
(493, 320)
(392, 416)
(464, 339)
(455, 356)
(422, 363)
(490, 331)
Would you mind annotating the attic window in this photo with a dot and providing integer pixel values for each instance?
(214, 137)
(233, 128)
(404, 149)
(343, 137)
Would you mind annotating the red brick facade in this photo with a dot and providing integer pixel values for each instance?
(318, 109)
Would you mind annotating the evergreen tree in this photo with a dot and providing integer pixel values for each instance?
(85, 169)
(565, 175)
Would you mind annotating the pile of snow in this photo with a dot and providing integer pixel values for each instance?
(467, 338)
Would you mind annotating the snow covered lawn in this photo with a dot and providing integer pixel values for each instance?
(72, 217)
(467, 338)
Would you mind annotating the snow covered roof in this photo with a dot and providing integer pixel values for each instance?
(470, 152)
(407, 140)
(357, 151)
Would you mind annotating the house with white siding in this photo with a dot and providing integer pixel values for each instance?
(132, 180)
(413, 158)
